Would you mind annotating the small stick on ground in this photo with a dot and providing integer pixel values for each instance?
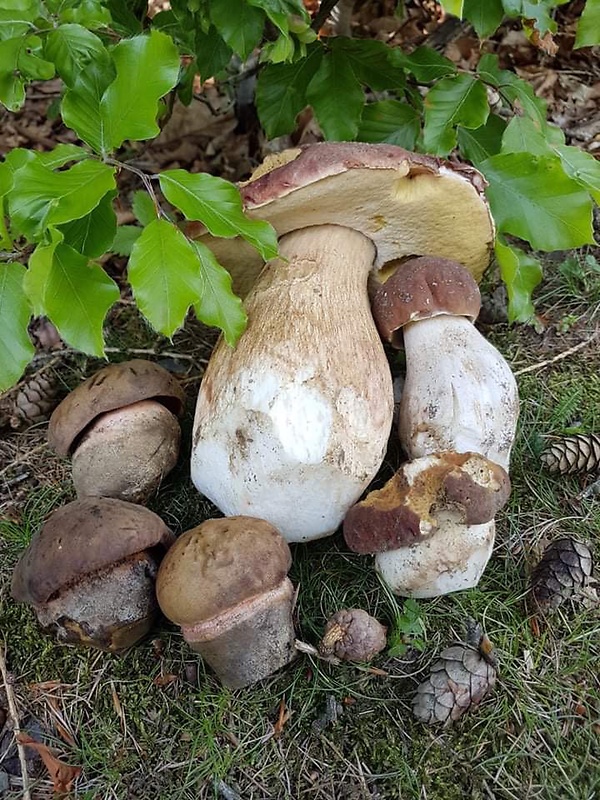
(12, 707)
(559, 357)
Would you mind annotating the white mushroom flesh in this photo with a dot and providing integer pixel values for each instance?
(292, 424)
(451, 560)
(459, 393)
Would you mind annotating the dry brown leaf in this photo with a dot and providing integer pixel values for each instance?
(62, 775)
(545, 42)
(165, 680)
(282, 718)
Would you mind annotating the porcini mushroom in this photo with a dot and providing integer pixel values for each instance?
(352, 634)
(90, 571)
(225, 583)
(459, 393)
(292, 425)
(121, 428)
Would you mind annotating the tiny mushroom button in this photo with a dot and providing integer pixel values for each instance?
(225, 583)
(89, 573)
(120, 427)
(292, 425)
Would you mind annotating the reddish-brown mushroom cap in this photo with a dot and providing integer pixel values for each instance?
(466, 486)
(218, 565)
(81, 538)
(408, 204)
(421, 288)
(114, 386)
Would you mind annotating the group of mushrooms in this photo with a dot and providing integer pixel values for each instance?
(292, 424)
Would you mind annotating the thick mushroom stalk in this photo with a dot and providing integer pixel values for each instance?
(292, 425)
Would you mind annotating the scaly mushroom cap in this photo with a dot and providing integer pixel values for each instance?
(466, 486)
(421, 288)
(82, 538)
(115, 386)
(407, 204)
(218, 565)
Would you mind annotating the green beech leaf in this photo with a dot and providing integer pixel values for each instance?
(61, 155)
(128, 16)
(335, 79)
(16, 19)
(582, 167)
(427, 64)
(213, 53)
(218, 305)
(537, 13)
(41, 197)
(143, 207)
(12, 83)
(72, 292)
(30, 62)
(588, 28)
(80, 106)
(71, 48)
(485, 16)
(125, 238)
(480, 143)
(217, 204)
(281, 91)
(6, 184)
(454, 7)
(93, 234)
(521, 273)
(517, 92)
(531, 197)
(147, 68)
(16, 349)
(460, 100)
(164, 273)
(89, 13)
(389, 121)
(523, 135)
(374, 64)
(240, 25)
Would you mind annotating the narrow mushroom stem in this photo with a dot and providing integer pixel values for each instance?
(292, 425)
(459, 394)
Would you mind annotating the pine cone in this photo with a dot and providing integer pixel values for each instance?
(458, 681)
(353, 635)
(577, 453)
(563, 571)
(30, 401)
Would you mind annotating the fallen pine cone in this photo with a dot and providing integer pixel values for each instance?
(564, 570)
(458, 681)
(353, 635)
(571, 454)
(30, 401)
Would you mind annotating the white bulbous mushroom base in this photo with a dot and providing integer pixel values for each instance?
(292, 424)
(452, 559)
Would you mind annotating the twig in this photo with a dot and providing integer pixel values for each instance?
(16, 461)
(12, 707)
(559, 357)
(149, 352)
(322, 15)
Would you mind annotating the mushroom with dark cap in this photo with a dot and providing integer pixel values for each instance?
(292, 425)
(459, 393)
(121, 428)
(225, 583)
(89, 573)
(352, 634)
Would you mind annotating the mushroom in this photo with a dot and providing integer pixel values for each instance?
(90, 571)
(459, 393)
(292, 425)
(121, 428)
(353, 635)
(225, 583)
(422, 496)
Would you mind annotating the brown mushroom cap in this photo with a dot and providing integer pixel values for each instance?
(408, 204)
(466, 486)
(218, 565)
(421, 288)
(114, 386)
(81, 538)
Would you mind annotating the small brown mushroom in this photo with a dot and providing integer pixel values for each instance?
(89, 573)
(353, 635)
(121, 429)
(225, 583)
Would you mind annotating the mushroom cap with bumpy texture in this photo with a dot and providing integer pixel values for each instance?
(421, 288)
(408, 204)
(81, 538)
(113, 387)
(218, 565)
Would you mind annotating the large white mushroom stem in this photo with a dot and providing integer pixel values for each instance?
(292, 424)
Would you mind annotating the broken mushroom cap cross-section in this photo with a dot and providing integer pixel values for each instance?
(292, 424)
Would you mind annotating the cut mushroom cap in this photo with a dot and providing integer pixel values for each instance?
(421, 288)
(406, 203)
(113, 387)
(225, 583)
(464, 487)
